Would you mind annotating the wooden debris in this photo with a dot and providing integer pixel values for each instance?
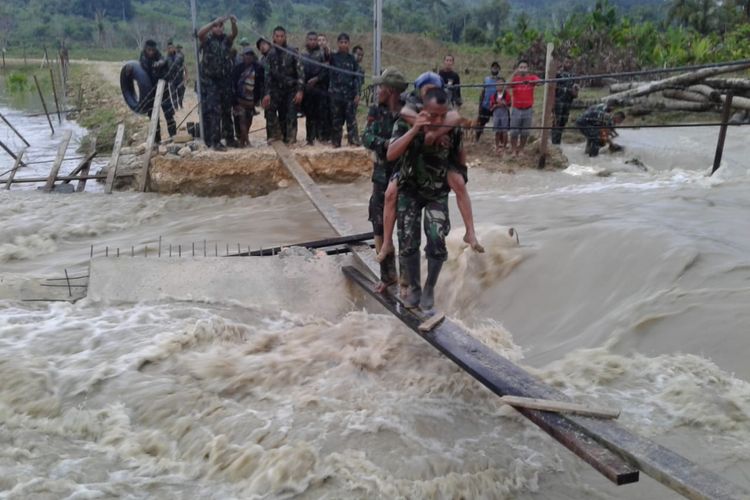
(560, 406)
(15, 168)
(112, 172)
(58, 161)
(430, 324)
(155, 113)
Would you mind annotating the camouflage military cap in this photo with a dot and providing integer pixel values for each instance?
(391, 77)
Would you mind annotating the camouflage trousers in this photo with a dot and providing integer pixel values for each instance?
(281, 116)
(217, 111)
(437, 225)
(562, 113)
(343, 110)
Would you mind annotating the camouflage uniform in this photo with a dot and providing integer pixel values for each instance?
(158, 69)
(216, 89)
(564, 96)
(377, 134)
(284, 77)
(344, 87)
(423, 184)
(595, 123)
(313, 105)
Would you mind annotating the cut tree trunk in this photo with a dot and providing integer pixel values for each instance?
(738, 102)
(729, 83)
(684, 95)
(681, 80)
(712, 94)
(621, 86)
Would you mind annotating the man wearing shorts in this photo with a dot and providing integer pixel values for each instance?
(522, 115)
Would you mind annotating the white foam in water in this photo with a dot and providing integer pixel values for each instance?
(628, 290)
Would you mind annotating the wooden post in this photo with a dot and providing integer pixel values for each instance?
(24, 55)
(112, 172)
(15, 167)
(83, 168)
(63, 79)
(725, 115)
(80, 97)
(54, 93)
(46, 58)
(10, 152)
(44, 104)
(152, 134)
(549, 99)
(14, 130)
(3, 58)
(58, 161)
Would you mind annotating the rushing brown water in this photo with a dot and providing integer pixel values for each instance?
(630, 288)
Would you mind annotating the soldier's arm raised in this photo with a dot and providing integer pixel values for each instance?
(399, 145)
(203, 32)
(233, 35)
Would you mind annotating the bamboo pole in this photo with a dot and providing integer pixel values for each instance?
(44, 104)
(58, 161)
(14, 130)
(112, 172)
(15, 168)
(155, 112)
(54, 93)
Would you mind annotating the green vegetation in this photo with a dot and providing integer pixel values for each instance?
(624, 34)
(17, 82)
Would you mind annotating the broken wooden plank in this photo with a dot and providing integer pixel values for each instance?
(15, 168)
(58, 161)
(431, 323)
(560, 406)
(44, 104)
(112, 172)
(151, 135)
(83, 168)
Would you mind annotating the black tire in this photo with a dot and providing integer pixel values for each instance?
(133, 74)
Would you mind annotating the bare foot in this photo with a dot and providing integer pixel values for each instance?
(472, 241)
(385, 250)
(382, 286)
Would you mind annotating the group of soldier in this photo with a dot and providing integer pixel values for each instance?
(172, 69)
(323, 84)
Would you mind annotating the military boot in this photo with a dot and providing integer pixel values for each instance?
(428, 295)
(414, 278)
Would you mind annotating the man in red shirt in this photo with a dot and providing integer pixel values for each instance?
(522, 87)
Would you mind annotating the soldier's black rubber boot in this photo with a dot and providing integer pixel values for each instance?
(414, 278)
(428, 294)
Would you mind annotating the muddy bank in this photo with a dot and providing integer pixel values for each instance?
(237, 172)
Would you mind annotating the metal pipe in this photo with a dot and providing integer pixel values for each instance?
(44, 104)
(14, 130)
(727, 112)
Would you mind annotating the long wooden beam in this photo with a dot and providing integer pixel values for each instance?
(609, 448)
(602, 459)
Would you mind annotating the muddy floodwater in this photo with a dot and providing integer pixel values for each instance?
(630, 288)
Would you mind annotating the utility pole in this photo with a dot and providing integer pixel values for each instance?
(194, 13)
(377, 30)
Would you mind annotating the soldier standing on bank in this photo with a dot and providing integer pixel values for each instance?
(344, 87)
(176, 73)
(565, 93)
(216, 82)
(377, 135)
(284, 84)
(316, 86)
(184, 77)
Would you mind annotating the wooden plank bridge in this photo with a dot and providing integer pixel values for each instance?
(614, 451)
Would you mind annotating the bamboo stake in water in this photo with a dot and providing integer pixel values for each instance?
(54, 93)
(44, 104)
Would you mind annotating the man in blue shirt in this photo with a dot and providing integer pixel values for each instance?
(490, 83)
